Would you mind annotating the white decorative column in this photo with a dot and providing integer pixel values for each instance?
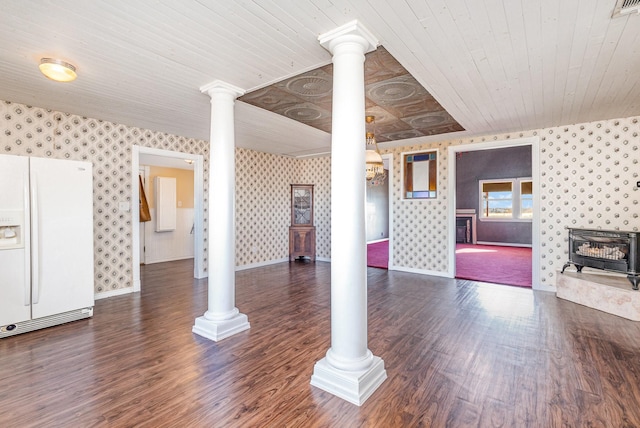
(349, 369)
(222, 318)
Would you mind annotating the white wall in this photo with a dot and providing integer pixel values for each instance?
(172, 245)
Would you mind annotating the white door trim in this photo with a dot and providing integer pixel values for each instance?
(198, 183)
(534, 142)
(389, 156)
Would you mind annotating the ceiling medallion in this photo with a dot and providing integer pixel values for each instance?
(310, 86)
(270, 100)
(426, 120)
(392, 91)
(403, 135)
(304, 113)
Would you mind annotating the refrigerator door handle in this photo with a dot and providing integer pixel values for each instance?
(35, 245)
(26, 241)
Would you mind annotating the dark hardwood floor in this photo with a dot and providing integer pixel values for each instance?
(457, 353)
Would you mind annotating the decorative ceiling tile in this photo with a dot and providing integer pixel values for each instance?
(442, 129)
(415, 106)
(305, 112)
(400, 135)
(427, 120)
(310, 86)
(384, 118)
(271, 98)
(396, 90)
(391, 94)
(381, 65)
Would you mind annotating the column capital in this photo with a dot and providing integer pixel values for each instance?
(218, 86)
(351, 31)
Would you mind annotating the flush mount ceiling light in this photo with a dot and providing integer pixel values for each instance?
(58, 70)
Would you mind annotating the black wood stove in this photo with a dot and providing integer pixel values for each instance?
(614, 251)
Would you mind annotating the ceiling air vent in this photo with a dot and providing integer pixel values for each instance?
(625, 7)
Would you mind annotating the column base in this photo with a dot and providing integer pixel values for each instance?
(220, 329)
(354, 387)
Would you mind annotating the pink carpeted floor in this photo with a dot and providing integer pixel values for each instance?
(486, 263)
(378, 255)
(492, 263)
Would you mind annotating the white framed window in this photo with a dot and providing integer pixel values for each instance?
(526, 198)
(509, 199)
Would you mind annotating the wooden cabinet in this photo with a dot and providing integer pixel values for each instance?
(302, 232)
(302, 242)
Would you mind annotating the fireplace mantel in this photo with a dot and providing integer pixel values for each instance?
(471, 215)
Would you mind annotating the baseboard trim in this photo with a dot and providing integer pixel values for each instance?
(260, 264)
(504, 244)
(420, 271)
(173, 259)
(375, 241)
(113, 293)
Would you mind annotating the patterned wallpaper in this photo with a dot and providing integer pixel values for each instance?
(32, 131)
(262, 206)
(263, 198)
(588, 175)
(262, 185)
(419, 227)
(588, 180)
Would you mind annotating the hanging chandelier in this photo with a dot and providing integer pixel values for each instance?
(375, 171)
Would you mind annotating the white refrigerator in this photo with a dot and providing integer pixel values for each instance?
(46, 243)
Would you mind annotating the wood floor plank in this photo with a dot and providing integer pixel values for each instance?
(457, 353)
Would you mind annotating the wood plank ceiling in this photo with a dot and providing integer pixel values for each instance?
(494, 66)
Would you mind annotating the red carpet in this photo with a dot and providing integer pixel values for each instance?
(492, 263)
(378, 255)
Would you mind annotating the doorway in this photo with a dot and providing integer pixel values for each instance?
(165, 157)
(533, 143)
(378, 229)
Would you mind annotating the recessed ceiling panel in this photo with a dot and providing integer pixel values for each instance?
(403, 108)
